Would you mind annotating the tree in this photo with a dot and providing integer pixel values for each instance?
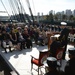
(71, 18)
(46, 17)
(64, 17)
(74, 19)
(56, 17)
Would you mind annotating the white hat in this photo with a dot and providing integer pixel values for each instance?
(18, 27)
(26, 26)
(51, 62)
(63, 23)
(71, 51)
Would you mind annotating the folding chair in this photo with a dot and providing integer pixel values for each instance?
(39, 62)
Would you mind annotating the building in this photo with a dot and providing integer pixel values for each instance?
(62, 13)
(51, 12)
(4, 18)
(68, 12)
(73, 12)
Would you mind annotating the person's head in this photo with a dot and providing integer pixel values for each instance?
(12, 30)
(52, 63)
(63, 25)
(19, 29)
(26, 27)
(25, 31)
(3, 31)
(71, 52)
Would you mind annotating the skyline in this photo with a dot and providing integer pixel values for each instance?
(41, 6)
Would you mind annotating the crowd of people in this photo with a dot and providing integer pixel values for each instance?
(22, 36)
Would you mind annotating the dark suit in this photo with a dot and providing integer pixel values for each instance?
(28, 40)
(55, 72)
(64, 39)
(70, 67)
(52, 73)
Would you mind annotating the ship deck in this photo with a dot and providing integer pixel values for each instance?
(21, 60)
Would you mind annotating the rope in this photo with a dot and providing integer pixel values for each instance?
(4, 7)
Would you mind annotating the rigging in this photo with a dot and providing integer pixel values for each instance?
(4, 7)
(28, 4)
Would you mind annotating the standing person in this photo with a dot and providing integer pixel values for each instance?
(60, 42)
(64, 38)
(70, 66)
(52, 66)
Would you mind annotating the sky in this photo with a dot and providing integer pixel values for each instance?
(41, 6)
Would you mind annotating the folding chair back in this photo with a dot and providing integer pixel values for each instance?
(59, 53)
(39, 62)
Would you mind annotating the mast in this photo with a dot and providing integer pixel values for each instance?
(17, 11)
(12, 9)
(23, 13)
(30, 10)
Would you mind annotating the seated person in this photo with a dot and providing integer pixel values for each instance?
(52, 66)
(70, 66)
(6, 40)
(41, 39)
(26, 36)
(13, 38)
(53, 47)
(72, 30)
(20, 38)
